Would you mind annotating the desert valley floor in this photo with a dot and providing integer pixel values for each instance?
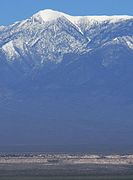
(39, 166)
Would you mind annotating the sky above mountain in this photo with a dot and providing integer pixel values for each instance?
(14, 10)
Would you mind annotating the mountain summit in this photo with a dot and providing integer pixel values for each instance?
(48, 15)
(67, 80)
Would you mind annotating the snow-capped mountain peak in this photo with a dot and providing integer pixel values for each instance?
(49, 35)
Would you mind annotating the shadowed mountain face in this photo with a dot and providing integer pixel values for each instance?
(66, 83)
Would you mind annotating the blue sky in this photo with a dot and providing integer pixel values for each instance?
(14, 10)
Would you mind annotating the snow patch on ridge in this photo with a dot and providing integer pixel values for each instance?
(50, 15)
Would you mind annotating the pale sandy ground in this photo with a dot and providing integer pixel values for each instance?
(48, 159)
